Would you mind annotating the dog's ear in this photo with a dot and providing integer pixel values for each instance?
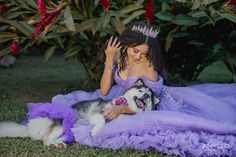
(156, 100)
(139, 82)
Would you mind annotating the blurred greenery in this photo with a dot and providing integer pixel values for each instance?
(194, 34)
(216, 72)
(32, 80)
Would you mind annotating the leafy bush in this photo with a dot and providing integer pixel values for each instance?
(194, 34)
(80, 29)
(197, 34)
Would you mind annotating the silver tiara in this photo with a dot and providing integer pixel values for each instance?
(150, 32)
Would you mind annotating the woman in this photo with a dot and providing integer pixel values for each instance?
(140, 56)
(198, 120)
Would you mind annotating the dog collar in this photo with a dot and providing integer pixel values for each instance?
(120, 101)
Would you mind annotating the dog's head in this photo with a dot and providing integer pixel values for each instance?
(140, 97)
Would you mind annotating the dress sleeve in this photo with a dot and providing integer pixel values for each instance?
(156, 86)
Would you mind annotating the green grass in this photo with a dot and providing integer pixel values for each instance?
(31, 80)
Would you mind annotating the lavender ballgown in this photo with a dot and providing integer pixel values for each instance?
(198, 120)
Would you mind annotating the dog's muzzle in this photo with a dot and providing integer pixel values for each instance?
(140, 102)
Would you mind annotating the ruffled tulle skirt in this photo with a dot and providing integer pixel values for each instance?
(199, 120)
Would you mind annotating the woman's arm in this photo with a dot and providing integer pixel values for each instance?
(114, 111)
(108, 76)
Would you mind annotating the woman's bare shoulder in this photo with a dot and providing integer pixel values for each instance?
(152, 73)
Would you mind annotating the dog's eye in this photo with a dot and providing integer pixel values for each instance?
(140, 90)
(135, 98)
(146, 96)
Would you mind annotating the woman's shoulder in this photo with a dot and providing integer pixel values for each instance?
(151, 73)
(147, 70)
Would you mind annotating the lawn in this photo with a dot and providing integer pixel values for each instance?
(31, 80)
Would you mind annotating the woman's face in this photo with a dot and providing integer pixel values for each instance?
(138, 52)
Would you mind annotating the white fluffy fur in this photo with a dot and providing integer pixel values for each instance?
(12, 129)
(37, 129)
(98, 121)
(40, 127)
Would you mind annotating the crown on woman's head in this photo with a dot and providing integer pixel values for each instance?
(150, 32)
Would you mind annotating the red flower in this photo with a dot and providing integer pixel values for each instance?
(45, 21)
(105, 4)
(3, 9)
(174, 8)
(150, 11)
(231, 2)
(14, 48)
(41, 7)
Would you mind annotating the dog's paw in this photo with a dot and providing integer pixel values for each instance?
(94, 132)
(58, 145)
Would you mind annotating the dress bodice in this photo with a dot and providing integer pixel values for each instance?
(154, 85)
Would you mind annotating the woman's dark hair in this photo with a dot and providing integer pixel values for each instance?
(131, 38)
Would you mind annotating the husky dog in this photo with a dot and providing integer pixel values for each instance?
(139, 98)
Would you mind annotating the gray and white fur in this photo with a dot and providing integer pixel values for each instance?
(139, 98)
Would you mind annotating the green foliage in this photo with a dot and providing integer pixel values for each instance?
(194, 33)
(81, 32)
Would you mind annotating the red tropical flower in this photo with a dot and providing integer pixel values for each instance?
(149, 7)
(41, 7)
(3, 9)
(45, 21)
(231, 2)
(105, 4)
(174, 8)
(14, 48)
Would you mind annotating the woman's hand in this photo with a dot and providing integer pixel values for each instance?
(113, 112)
(108, 74)
(112, 48)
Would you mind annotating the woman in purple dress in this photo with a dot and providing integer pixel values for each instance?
(198, 120)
